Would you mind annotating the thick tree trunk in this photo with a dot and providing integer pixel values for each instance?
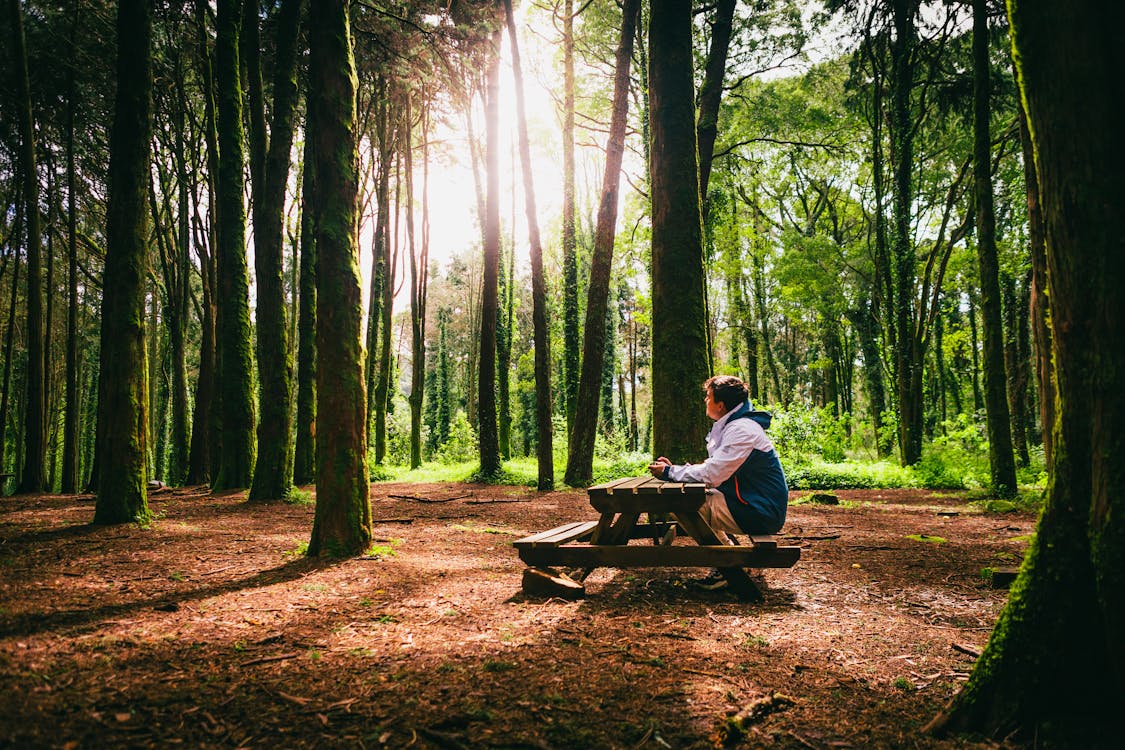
(489, 446)
(123, 384)
(235, 389)
(580, 455)
(543, 427)
(342, 525)
(270, 170)
(679, 317)
(32, 478)
(1000, 455)
(1054, 668)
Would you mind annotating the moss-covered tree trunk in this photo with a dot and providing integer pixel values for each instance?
(419, 267)
(489, 444)
(1054, 668)
(269, 159)
(908, 364)
(123, 384)
(543, 429)
(342, 525)
(580, 454)
(378, 268)
(32, 478)
(235, 459)
(1001, 457)
(679, 317)
(304, 448)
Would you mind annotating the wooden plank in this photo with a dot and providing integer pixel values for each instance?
(631, 485)
(654, 556)
(560, 535)
(608, 487)
(662, 503)
(764, 541)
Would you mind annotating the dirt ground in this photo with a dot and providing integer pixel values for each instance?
(211, 629)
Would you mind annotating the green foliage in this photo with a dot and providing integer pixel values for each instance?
(804, 434)
(461, 444)
(849, 475)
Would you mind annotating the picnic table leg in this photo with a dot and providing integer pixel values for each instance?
(740, 583)
(607, 532)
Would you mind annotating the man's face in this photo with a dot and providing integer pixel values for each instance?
(715, 409)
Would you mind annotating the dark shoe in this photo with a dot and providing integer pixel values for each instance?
(714, 581)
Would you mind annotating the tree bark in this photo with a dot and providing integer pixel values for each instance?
(123, 383)
(304, 448)
(71, 419)
(489, 446)
(235, 391)
(572, 356)
(679, 317)
(711, 93)
(1000, 455)
(580, 454)
(342, 525)
(270, 171)
(1054, 668)
(543, 427)
(32, 478)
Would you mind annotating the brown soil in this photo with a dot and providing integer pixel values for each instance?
(211, 629)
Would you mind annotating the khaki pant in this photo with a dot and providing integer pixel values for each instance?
(717, 515)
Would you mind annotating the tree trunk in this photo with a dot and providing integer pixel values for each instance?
(419, 267)
(1001, 458)
(572, 356)
(1040, 302)
(71, 419)
(378, 242)
(580, 454)
(9, 341)
(907, 360)
(489, 447)
(543, 427)
(236, 396)
(270, 170)
(123, 383)
(711, 93)
(1015, 364)
(1054, 668)
(304, 449)
(342, 525)
(679, 316)
(32, 478)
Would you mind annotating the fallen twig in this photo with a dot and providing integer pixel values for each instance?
(377, 521)
(492, 500)
(418, 499)
(966, 649)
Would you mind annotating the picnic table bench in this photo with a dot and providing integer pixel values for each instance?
(585, 545)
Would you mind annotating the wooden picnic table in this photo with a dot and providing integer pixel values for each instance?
(672, 508)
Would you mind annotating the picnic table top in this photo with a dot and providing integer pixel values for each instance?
(647, 485)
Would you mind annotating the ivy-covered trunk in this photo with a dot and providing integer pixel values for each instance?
(342, 525)
(580, 454)
(1054, 668)
(270, 171)
(679, 317)
(123, 385)
(235, 417)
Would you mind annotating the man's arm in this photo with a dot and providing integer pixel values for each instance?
(739, 438)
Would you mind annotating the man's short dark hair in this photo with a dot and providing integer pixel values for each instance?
(727, 389)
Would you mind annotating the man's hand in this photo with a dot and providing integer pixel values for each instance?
(658, 467)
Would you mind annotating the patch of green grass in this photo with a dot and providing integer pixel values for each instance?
(314, 587)
(379, 551)
(297, 496)
(386, 619)
(903, 684)
(300, 550)
(470, 526)
(314, 654)
(756, 641)
(178, 576)
(927, 538)
(821, 475)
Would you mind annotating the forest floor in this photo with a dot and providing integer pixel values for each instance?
(212, 629)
